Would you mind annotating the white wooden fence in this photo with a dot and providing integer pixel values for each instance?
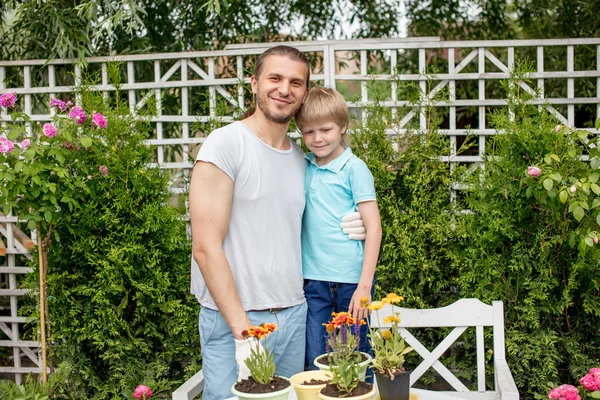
(180, 79)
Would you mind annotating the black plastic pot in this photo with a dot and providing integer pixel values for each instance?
(397, 389)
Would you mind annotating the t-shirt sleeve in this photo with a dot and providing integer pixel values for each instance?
(362, 183)
(220, 148)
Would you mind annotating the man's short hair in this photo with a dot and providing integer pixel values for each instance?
(323, 104)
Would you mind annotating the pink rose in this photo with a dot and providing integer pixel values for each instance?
(596, 242)
(565, 392)
(77, 114)
(8, 99)
(103, 170)
(534, 171)
(590, 383)
(99, 120)
(6, 146)
(49, 130)
(142, 392)
(61, 105)
(25, 143)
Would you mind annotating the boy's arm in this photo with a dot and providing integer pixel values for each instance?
(211, 195)
(372, 222)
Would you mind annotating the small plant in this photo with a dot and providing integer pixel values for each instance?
(260, 363)
(342, 351)
(388, 345)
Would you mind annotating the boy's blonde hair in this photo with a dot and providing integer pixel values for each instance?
(323, 104)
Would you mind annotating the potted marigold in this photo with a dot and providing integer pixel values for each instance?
(389, 350)
(347, 365)
(262, 383)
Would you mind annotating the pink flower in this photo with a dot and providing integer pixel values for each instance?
(6, 146)
(25, 143)
(103, 170)
(8, 99)
(62, 106)
(142, 392)
(49, 130)
(590, 382)
(534, 171)
(89, 177)
(565, 392)
(77, 114)
(596, 241)
(596, 373)
(68, 145)
(99, 120)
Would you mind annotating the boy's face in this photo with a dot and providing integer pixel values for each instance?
(324, 139)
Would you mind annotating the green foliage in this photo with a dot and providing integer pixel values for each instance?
(523, 245)
(118, 282)
(58, 386)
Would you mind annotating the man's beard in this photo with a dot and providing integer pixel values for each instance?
(280, 119)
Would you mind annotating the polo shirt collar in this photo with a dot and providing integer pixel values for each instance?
(335, 165)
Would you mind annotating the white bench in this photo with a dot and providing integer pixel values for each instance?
(460, 315)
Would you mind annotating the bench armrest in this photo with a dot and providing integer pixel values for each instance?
(190, 388)
(505, 384)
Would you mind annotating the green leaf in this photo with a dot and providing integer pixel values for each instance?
(594, 177)
(556, 176)
(589, 241)
(595, 394)
(31, 224)
(555, 157)
(595, 188)
(582, 135)
(598, 219)
(579, 213)
(597, 125)
(13, 134)
(595, 163)
(36, 179)
(548, 184)
(86, 141)
(18, 166)
(48, 216)
(596, 203)
(563, 196)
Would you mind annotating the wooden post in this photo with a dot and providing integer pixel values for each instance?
(42, 268)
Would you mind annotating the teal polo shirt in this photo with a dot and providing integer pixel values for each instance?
(332, 191)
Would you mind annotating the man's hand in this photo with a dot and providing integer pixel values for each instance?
(352, 225)
(243, 349)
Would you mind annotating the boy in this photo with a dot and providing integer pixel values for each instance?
(337, 271)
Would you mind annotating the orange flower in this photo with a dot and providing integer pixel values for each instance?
(330, 327)
(343, 318)
(261, 331)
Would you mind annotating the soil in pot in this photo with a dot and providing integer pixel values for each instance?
(331, 390)
(251, 386)
(315, 382)
(325, 360)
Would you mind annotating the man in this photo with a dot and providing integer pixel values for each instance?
(246, 203)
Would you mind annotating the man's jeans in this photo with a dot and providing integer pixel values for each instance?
(218, 348)
(323, 298)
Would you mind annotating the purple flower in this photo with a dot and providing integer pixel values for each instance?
(344, 334)
(99, 120)
(534, 171)
(77, 114)
(49, 130)
(25, 143)
(62, 106)
(6, 146)
(103, 170)
(8, 99)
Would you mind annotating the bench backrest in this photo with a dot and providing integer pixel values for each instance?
(460, 315)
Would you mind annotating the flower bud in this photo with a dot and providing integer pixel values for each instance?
(534, 171)
(573, 189)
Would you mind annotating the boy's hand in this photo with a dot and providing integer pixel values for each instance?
(352, 225)
(355, 308)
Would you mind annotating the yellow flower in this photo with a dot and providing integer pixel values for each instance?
(386, 335)
(364, 301)
(376, 305)
(391, 319)
(392, 298)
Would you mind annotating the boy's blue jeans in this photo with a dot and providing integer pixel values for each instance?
(218, 348)
(323, 298)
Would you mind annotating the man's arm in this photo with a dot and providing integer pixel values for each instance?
(211, 195)
(372, 222)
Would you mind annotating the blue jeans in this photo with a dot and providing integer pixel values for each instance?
(323, 298)
(218, 348)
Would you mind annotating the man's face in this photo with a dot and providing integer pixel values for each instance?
(281, 88)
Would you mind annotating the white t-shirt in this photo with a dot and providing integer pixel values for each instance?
(262, 244)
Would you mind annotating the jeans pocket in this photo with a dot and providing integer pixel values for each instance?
(206, 324)
(307, 283)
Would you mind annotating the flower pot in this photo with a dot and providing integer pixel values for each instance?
(309, 392)
(363, 365)
(366, 396)
(278, 395)
(397, 389)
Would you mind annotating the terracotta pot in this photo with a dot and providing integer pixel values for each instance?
(363, 366)
(366, 396)
(278, 395)
(309, 392)
(397, 389)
